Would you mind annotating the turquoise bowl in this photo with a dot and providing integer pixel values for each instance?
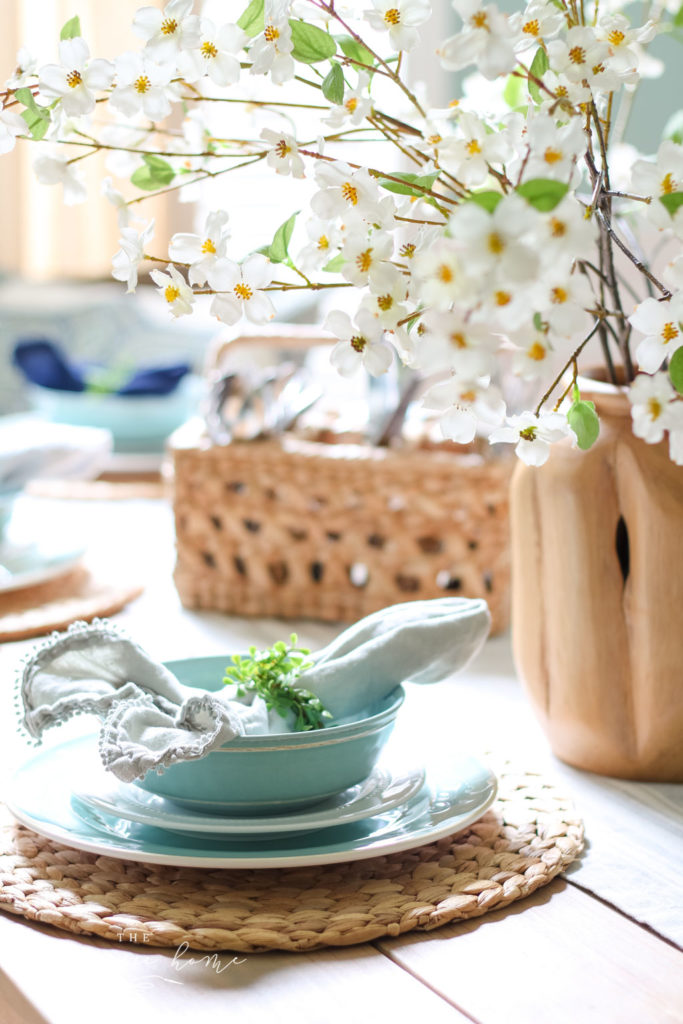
(277, 772)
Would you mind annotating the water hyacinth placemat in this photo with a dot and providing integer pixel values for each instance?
(529, 835)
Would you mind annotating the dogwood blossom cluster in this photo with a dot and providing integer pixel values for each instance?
(485, 244)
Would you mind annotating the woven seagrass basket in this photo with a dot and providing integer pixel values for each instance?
(294, 528)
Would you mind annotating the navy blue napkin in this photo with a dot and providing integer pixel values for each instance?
(43, 363)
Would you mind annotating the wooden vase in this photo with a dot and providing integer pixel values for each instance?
(597, 599)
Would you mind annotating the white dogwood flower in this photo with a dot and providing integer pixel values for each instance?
(11, 125)
(168, 32)
(174, 288)
(582, 57)
(56, 170)
(215, 54)
(540, 21)
(468, 156)
(492, 241)
(202, 251)
(325, 244)
(555, 149)
(365, 254)
(438, 278)
(662, 177)
(651, 398)
(387, 295)
(284, 153)
(344, 191)
(240, 287)
(142, 86)
(532, 435)
(452, 341)
(76, 80)
(466, 404)
(271, 51)
(361, 344)
(355, 106)
(126, 261)
(662, 325)
(26, 67)
(486, 40)
(117, 200)
(400, 19)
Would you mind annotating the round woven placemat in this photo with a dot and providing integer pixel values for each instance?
(530, 834)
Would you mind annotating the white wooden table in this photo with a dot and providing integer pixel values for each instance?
(602, 944)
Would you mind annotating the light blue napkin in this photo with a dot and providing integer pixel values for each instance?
(150, 720)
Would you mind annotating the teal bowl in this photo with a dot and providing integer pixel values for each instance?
(277, 772)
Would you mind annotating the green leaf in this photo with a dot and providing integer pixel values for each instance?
(252, 21)
(678, 17)
(278, 250)
(311, 44)
(583, 420)
(539, 66)
(488, 200)
(406, 186)
(676, 370)
(538, 321)
(334, 265)
(354, 50)
(672, 202)
(333, 84)
(37, 118)
(71, 29)
(155, 173)
(543, 193)
(513, 93)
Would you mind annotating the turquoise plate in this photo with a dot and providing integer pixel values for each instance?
(40, 797)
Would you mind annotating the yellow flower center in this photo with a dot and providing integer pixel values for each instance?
(577, 55)
(172, 293)
(667, 185)
(496, 243)
(271, 33)
(350, 193)
(208, 246)
(468, 396)
(558, 228)
(528, 434)
(445, 274)
(654, 407)
(407, 250)
(323, 242)
(434, 140)
(532, 28)
(502, 298)
(558, 295)
(385, 302)
(669, 332)
(351, 104)
(536, 352)
(364, 261)
(552, 156)
(142, 84)
(562, 92)
(243, 291)
(479, 20)
(473, 147)
(73, 79)
(358, 343)
(208, 49)
(458, 339)
(169, 26)
(598, 69)
(392, 16)
(282, 149)
(616, 37)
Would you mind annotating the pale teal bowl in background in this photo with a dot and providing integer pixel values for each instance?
(278, 772)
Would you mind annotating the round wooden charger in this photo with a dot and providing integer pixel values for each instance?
(77, 594)
(528, 836)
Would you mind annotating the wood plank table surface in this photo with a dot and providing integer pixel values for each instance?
(601, 944)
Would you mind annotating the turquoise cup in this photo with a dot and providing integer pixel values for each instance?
(276, 773)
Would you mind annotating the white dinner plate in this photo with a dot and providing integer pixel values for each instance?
(384, 789)
(26, 564)
(40, 797)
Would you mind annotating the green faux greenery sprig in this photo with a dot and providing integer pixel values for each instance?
(271, 674)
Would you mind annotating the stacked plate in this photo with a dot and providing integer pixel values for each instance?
(65, 794)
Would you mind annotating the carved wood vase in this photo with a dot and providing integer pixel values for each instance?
(597, 598)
